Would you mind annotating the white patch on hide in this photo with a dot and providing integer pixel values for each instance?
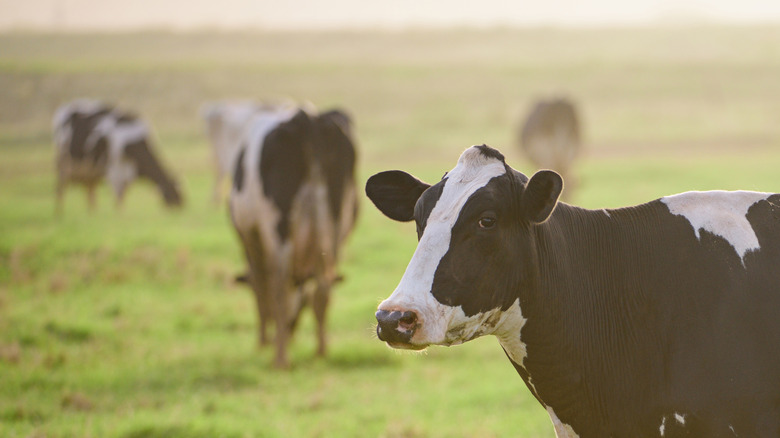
(227, 122)
(680, 418)
(562, 430)
(663, 426)
(250, 207)
(508, 333)
(473, 171)
(86, 106)
(720, 213)
(121, 171)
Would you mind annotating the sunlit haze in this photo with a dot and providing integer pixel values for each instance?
(316, 14)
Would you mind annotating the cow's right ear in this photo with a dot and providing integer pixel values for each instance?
(541, 195)
(395, 193)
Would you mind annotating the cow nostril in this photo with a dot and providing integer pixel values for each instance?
(382, 315)
(407, 320)
(396, 326)
(401, 320)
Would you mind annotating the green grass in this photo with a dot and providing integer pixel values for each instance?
(127, 323)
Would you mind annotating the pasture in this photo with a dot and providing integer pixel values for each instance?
(128, 324)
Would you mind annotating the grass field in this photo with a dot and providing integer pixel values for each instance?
(127, 324)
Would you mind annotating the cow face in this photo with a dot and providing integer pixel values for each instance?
(172, 195)
(474, 227)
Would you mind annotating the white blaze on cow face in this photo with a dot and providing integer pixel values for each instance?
(473, 171)
(721, 213)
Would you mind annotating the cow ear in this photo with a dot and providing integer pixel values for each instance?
(541, 195)
(340, 118)
(395, 193)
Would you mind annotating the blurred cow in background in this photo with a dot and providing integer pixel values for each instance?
(94, 140)
(226, 124)
(293, 203)
(550, 138)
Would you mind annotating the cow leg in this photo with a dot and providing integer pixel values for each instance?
(120, 195)
(264, 316)
(216, 196)
(60, 194)
(259, 281)
(91, 197)
(297, 307)
(321, 297)
(260, 289)
(280, 287)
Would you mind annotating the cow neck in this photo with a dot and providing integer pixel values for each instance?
(579, 332)
(149, 166)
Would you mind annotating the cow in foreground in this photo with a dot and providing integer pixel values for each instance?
(293, 204)
(658, 320)
(95, 141)
(550, 137)
(226, 125)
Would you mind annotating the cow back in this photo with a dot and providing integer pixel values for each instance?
(335, 154)
(76, 123)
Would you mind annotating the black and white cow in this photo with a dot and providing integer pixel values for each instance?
(94, 141)
(293, 203)
(659, 320)
(550, 137)
(226, 125)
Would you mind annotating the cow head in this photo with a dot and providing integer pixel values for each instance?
(172, 194)
(475, 230)
(140, 153)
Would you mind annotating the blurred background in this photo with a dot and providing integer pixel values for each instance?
(128, 323)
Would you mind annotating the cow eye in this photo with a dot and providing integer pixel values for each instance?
(487, 221)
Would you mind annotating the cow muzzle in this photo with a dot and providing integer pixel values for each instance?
(397, 328)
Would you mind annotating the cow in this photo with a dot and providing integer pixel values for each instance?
(657, 320)
(550, 138)
(96, 141)
(293, 203)
(226, 123)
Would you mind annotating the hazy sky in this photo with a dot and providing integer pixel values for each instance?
(307, 14)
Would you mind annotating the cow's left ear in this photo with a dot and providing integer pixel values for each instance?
(395, 193)
(541, 195)
(338, 117)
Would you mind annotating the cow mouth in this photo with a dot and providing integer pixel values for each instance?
(397, 328)
(398, 339)
(406, 346)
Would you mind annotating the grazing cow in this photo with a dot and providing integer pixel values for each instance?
(550, 138)
(659, 320)
(293, 203)
(226, 123)
(94, 141)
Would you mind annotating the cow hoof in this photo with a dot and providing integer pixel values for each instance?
(282, 364)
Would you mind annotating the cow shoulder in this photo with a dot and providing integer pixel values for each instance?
(283, 165)
(83, 124)
(336, 156)
(131, 137)
(238, 171)
(721, 213)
